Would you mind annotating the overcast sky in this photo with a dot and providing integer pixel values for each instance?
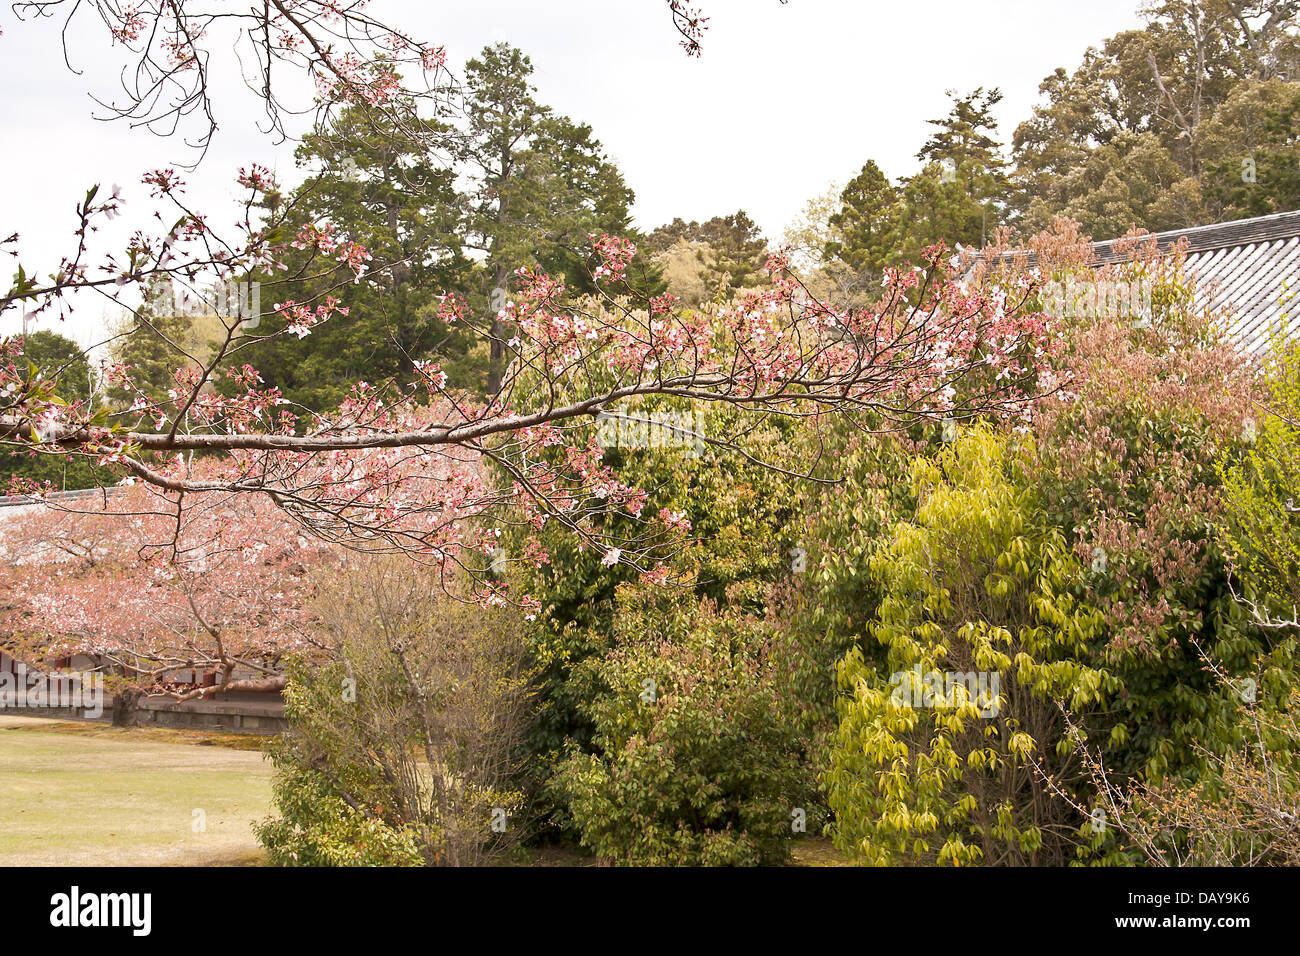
(785, 99)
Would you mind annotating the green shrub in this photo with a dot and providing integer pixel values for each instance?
(1241, 812)
(1129, 472)
(694, 757)
(1122, 511)
(742, 529)
(974, 585)
(408, 746)
(1262, 515)
(315, 825)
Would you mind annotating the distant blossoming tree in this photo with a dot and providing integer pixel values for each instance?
(184, 596)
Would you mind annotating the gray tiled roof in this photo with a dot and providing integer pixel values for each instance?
(1250, 280)
(1243, 266)
(1219, 235)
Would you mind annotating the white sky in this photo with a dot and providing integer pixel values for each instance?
(784, 100)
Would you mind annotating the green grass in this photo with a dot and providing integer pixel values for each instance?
(91, 795)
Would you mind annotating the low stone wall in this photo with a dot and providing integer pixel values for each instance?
(240, 716)
(255, 717)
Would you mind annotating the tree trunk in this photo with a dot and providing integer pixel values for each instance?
(125, 706)
(496, 361)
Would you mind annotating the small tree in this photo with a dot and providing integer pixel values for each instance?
(407, 746)
(926, 765)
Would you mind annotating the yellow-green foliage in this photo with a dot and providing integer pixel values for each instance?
(1260, 492)
(973, 583)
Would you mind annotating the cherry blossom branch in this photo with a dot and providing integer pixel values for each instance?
(170, 49)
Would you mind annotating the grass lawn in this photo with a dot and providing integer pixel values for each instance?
(94, 795)
(88, 794)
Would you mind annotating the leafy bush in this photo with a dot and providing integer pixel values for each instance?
(694, 759)
(740, 519)
(1124, 472)
(317, 823)
(407, 748)
(1240, 811)
(1262, 516)
(1129, 472)
(975, 585)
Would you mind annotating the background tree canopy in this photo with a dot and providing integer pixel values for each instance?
(448, 209)
(1194, 119)
(50, 355)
